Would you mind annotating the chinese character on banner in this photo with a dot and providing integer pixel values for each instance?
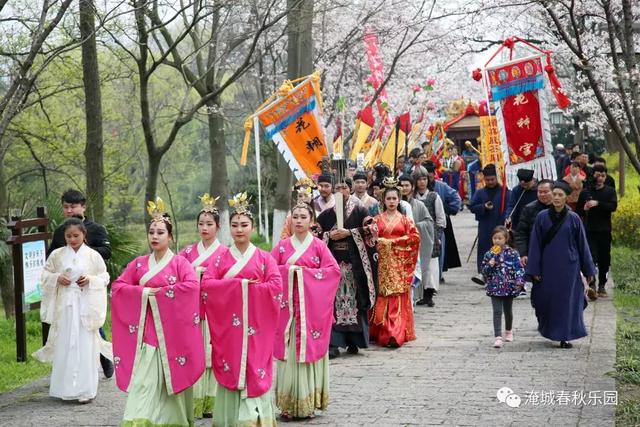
(294, 123)
(517, 89)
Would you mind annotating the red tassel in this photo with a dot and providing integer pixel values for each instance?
(477, 74)
(561, 99)
(509, 43)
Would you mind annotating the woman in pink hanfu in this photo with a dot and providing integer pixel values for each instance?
(311, 276)
(203, 256)
(157, 344)
(243, 303)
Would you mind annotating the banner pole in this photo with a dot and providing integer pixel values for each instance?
(256, 135)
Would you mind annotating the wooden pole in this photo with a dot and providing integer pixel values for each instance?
(41, 212)
(395, 149)
(21, 330)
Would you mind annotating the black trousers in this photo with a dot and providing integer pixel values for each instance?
(600, 246)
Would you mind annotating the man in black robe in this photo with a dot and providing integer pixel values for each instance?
(353, 247)
(521, 196)
(449, 255)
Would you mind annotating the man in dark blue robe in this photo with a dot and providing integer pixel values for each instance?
(558, 253)
(490, 212)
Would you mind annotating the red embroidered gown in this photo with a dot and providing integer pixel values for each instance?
(392, 316)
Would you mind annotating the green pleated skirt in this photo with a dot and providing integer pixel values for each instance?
(231, 410)
(204, 391)
(301, 388)
(148, 403)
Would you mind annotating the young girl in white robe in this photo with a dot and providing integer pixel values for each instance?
(74, 302)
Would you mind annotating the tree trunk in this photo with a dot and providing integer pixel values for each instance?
(93, 152)
(299, 63)
(6, 264)
(151, 188)
(219, 185)
(4, 194)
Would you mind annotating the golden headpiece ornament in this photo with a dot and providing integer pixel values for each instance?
(304, 190)
(240, 204)
(390, 182)
(209, 204)
(157, 210)
(304, 182)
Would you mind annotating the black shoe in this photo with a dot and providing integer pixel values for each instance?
(421, 302)
(478, 280)
(602, 293)
(352, 349)
(393, 343)
(207, 415)
(107, 366)
(428, 296)
(442, 280)
(334, 352)
(565, 344)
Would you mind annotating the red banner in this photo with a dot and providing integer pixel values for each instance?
(523, 127)
(377, 71)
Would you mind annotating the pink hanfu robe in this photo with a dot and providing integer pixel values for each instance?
(170, 320)
(310, 281)
(243, 303)
(203, 259)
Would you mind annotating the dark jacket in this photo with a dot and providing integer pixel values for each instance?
(97, 239)
(519, 199)
(597, 218)
(525, 225)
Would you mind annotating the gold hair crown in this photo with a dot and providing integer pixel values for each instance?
(305, 190)
(240, 204)
(304, 182)
(302, 205)
(209, 204)
(157, 210)
(390, 182)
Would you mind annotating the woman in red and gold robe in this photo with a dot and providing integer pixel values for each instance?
(398, 249)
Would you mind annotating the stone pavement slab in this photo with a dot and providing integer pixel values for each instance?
(449, 376)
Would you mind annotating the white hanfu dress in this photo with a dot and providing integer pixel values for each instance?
(75, 313)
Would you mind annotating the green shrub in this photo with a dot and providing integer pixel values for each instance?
(626, 222)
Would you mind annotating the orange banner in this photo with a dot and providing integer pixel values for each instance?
(295, 126)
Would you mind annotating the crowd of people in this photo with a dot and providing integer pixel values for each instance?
(195, 333)
(552, 235)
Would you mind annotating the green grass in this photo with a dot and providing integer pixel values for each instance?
(626, 273)
(13, 374)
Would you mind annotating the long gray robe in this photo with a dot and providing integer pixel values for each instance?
(424, 224)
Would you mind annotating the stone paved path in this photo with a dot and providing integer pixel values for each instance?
(448, 376)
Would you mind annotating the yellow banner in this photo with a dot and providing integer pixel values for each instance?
(490, 151)
(371, 158)
(361, 135)
(390, 150)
